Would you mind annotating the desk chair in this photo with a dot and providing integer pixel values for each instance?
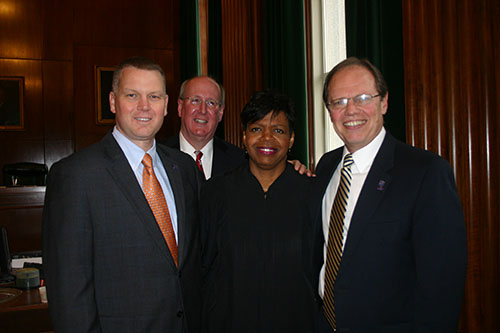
(18, 174)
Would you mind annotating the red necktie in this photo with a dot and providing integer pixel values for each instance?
(199, 155)
(156, 199)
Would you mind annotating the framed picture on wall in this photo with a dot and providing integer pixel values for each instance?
(103, 81)
(11, 103)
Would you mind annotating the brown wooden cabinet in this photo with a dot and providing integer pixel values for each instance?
(21, 213)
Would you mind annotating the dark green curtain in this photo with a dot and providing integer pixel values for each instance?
(374, 31)
(215, 50)
(284, 61)
(215, 40)
(188, 39)
(283, 53)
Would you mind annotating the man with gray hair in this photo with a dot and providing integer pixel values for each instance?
(201, 107)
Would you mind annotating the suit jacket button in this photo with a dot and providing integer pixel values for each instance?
(180, 314)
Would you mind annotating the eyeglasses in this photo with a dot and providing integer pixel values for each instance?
(341, 103)
(195, 100)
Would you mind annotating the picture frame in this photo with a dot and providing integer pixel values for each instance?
(103, 86)
(11, 103)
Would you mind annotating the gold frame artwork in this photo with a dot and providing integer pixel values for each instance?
(103, 79)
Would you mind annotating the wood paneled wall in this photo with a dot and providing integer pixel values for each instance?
(452, 89)
(55, 44)
(241, 57)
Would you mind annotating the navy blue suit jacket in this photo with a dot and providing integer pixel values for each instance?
(404, 261)
(226, 155)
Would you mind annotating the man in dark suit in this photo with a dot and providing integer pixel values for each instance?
(109, 267)
(201, 107)
(402, 241)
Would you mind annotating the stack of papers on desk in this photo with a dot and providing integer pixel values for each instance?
(19, 263)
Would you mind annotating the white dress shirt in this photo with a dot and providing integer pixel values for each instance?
(206, 159)
(363, 159)
(134, 155)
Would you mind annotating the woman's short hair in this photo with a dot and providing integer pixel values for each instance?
(262, 103)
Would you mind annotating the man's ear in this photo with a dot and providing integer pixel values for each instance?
(385, 103)
(112, 105)
(179, 107)
(220, 113)
(166, 106)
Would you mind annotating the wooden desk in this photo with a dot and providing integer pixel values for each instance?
(21, 213)
(25, 313)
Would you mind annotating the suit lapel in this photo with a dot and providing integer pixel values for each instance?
(175, 178)
(326, 169)
(173, 142)
(219, 158)
(119, 169)
(376, 184)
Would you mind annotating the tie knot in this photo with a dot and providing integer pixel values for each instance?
(199, 155)
(348, 161)
(147, 161)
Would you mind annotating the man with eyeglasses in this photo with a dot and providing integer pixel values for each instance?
(201, 107)
(390, 243)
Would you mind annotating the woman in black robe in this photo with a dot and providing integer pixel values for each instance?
(256, 232)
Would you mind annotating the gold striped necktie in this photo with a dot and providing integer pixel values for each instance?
(335, 238)
(154, 194)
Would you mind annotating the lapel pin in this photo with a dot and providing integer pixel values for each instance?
(381, 185)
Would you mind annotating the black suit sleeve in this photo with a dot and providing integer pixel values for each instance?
(440, 250)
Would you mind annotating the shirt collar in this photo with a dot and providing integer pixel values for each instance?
(363, 158)
(186, 147)
(133, 152)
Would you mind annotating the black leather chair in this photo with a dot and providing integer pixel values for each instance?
(26, 173)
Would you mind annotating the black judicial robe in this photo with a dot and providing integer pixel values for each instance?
(256, 254)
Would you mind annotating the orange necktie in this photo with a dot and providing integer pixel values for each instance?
(156, 199)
